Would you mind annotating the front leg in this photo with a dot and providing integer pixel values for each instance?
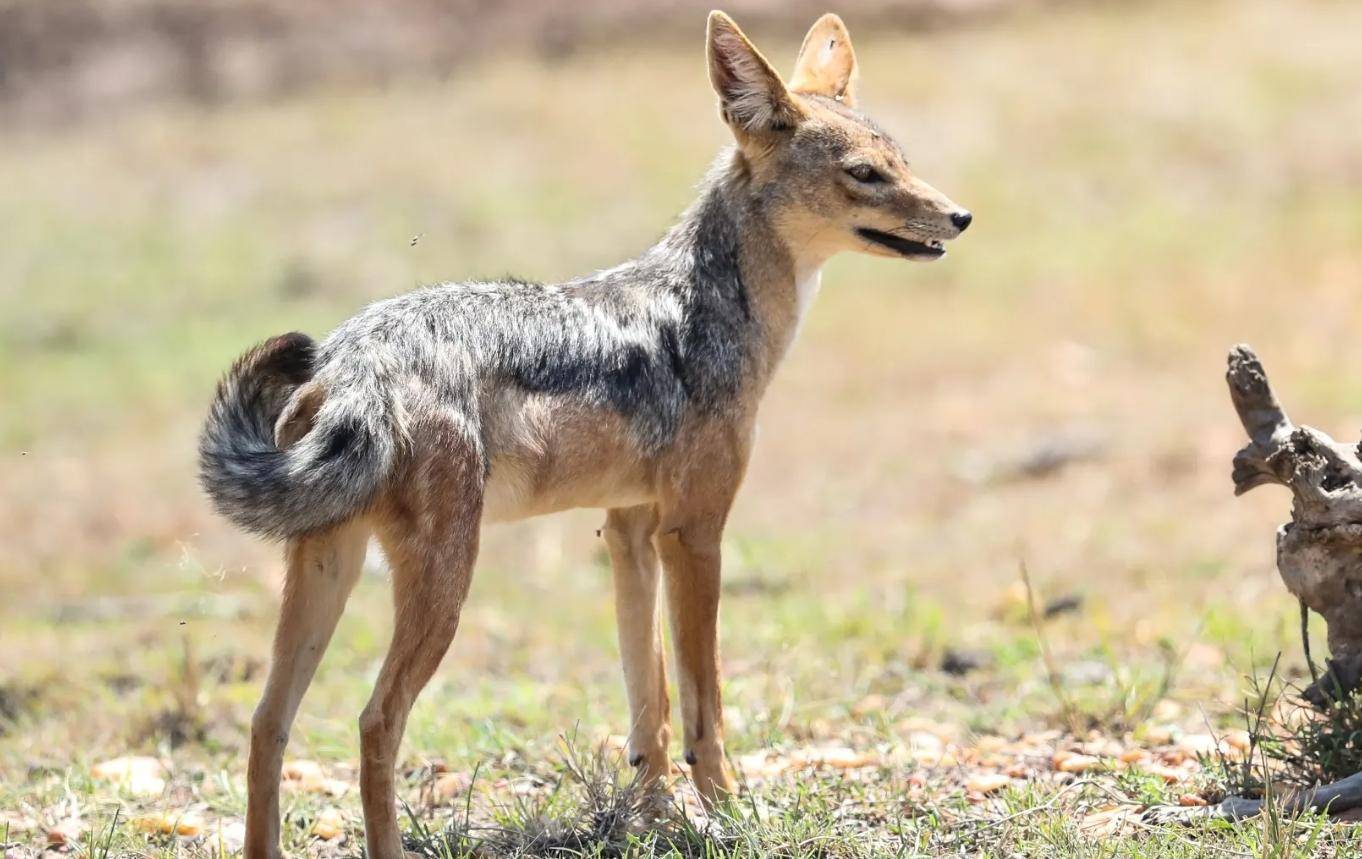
(629, 533)
(690, 559)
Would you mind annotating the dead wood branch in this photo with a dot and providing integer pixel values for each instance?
(1319, 552)
(1334, 798)
(1319, 557)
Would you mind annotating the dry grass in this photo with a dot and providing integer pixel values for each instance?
(1152, 184)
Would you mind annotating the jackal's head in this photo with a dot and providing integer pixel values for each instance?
(833, 178)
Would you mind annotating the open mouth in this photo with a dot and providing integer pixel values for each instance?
(930, 249)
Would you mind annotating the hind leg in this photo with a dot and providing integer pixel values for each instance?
(629, 534)
(322, 570)
(429, 530)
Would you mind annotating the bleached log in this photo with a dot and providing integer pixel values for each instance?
(1335, 798)
(1319, 557)
(1319, 552)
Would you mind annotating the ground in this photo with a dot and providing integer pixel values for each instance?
(1151, 182)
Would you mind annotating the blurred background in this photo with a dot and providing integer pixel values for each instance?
(1152, 182)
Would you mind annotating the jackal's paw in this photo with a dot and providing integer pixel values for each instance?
(710, 775)
(653, 766)
(656, 803)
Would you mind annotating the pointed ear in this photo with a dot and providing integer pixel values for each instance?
(827, 64)
(752, 98)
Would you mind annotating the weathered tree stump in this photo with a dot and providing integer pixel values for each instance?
(1319, 552)
(1319, 556)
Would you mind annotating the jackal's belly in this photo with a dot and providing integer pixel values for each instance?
(512, 494)
(549, 455)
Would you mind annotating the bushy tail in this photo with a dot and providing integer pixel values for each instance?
(327, 476)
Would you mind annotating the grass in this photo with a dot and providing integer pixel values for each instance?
(1153, 182)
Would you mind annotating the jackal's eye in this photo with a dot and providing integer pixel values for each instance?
(865, 173)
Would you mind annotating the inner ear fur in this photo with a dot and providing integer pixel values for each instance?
(753, 99)
(827, 63)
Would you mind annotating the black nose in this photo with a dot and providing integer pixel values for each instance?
(961, 220)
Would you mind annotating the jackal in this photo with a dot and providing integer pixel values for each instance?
(634, 390)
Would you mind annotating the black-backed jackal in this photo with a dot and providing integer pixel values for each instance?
(634, 390)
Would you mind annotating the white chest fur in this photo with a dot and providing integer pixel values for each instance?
(808, 279)
(807, 284)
